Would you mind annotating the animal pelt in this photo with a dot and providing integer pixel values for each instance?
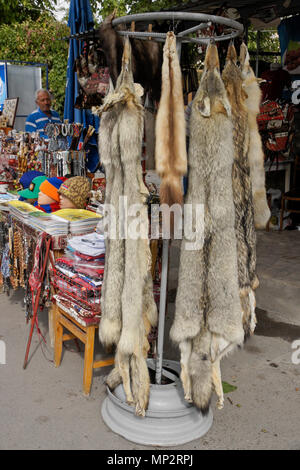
(146, 57)
(241, 185)
(208, 314)
(111, 308)
(170, 145)
(131, 304)
(256, 154)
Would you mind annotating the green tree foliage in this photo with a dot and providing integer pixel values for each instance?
(39, 41)
(127, 7)
(14, 11)
(268, 41)
(29, 32)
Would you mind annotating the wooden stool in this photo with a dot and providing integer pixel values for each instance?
(85, 331)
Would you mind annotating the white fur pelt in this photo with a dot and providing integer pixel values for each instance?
(241, 186)
(130, 297)
(170, 144)
(256, 154)
(208, 314)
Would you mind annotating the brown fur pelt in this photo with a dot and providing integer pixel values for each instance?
(256, 154)
(241, 186)
(208, 313)
(131, 301)
(146, 57)
(170, 145)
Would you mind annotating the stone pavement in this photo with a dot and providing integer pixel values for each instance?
(43, 407)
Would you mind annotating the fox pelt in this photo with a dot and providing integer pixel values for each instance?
(242, 188)
(256, 154)
(128, 306)
(111, 308)
(170, 144)
(208, 313)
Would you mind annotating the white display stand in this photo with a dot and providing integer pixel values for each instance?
(169, 420)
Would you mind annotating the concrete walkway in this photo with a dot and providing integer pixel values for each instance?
(42, 407)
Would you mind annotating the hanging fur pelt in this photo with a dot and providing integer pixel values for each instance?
(111, 308)
(256, 154)
(146, 57)
(208, 313)
(170, 145)
(242, 189)
(128, 306)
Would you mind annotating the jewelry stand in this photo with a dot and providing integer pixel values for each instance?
(169, 419)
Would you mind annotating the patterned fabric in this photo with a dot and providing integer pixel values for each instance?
(35, 275)
(37, 120)
(270, 111)
(83, 316)
(5, 270)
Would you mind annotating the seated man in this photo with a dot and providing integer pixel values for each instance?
(37, 120)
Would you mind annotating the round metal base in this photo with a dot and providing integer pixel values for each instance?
(169, 420)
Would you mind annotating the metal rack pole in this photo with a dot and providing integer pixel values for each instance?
(162, 310)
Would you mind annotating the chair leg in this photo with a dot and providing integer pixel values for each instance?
(88, 360)
(58, 343)
(281, 212)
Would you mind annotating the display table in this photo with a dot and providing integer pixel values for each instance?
(85, 331)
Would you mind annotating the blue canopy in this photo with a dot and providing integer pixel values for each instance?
(80, 20)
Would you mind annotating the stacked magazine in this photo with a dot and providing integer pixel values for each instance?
(21, 209)
(47, 223)
(79, 220)
(37, 219)
(62, 222)
(5, 198)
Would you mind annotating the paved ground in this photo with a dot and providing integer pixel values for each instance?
(42, 407)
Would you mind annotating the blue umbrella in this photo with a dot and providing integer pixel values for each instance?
(80, 20)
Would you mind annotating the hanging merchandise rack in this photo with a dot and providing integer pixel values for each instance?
(183, 37)
(169, 420)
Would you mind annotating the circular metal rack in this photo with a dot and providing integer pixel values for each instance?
(204, 21)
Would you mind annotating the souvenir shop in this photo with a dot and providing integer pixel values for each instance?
(67, 240)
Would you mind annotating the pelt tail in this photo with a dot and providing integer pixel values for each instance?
(262, 211)
(201, 371)
(171, 190)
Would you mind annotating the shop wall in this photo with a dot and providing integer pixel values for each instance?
(23, 81)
